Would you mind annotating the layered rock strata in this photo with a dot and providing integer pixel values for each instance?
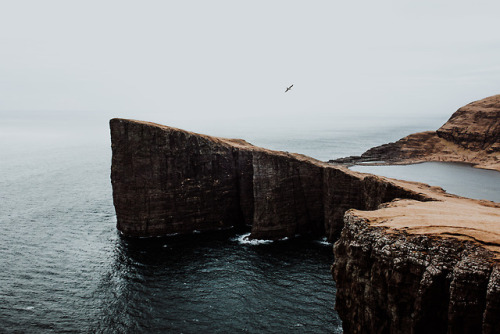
(167, 181)
(471, 135)
(420, 267)
(414, 283)
(410, 258)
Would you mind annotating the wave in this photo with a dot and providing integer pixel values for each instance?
(323, 242)
(245, 240)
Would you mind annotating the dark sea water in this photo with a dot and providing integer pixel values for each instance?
(65, 269)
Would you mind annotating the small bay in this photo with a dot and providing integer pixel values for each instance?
(456, 178)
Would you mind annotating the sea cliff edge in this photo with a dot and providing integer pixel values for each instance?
(397, 237)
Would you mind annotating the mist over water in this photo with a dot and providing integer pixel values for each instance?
(66, 269)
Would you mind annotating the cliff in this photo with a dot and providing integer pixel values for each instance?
(168, 181)
(475, 127)
(414, 267)
(420, 267)
(471, 135)
(410, 257)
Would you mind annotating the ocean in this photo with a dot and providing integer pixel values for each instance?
(65, 269)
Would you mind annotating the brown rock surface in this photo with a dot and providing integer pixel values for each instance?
(415, 280)
(420, 267)
(410, 258)
(471, 135)
(475, 126)
(167, 180)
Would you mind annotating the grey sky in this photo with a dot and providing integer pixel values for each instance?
(218, 60)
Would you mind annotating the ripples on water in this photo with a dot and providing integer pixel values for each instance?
(65, 269)
(213, 283)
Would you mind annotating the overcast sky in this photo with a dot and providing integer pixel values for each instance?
(176, 61)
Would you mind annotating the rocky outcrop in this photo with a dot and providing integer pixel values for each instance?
(471, 135)
(410, 258)
(475, 126)
(420, 267)
(288, 195)
(167, 181)
(398, 282)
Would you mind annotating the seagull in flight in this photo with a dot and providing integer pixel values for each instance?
(288, 88)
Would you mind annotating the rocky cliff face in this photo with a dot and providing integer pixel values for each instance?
(167, 181)
(410, 259)
(475, 126)
(288, 196)
(344, 191)
(471, 135)
(413, 283)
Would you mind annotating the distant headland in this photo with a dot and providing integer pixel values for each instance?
(471, 135)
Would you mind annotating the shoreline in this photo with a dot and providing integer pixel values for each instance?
(414, 162)
(471, 135)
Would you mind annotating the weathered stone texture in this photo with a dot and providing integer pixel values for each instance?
(171, 181)
(401, 283)
(471, 135)
(167, 180)
(288, 196)
(475, 126)
(344, 190)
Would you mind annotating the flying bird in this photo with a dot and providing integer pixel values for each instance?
(288, 88)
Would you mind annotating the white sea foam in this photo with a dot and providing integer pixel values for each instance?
(323, 242)
(243, 239)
